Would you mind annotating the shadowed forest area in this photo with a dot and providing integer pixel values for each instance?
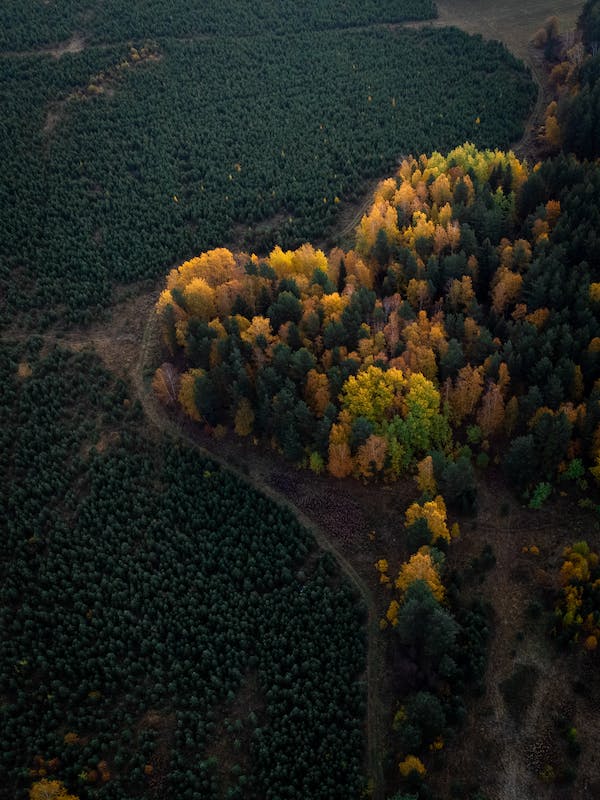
(288, 519)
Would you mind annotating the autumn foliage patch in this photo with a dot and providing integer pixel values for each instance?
(442, 328)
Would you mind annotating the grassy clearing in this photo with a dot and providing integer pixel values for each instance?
(513, 22)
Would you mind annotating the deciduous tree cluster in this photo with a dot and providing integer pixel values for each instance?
(578, 609)
(438, 647)
(466, 312)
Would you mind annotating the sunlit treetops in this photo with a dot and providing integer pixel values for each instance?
(433, 512)
(50, 790)
(441, 319)
(424, 565)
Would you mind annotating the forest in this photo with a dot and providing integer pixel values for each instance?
(289, 511)
(128, 157)
(143, 589)
(572, 116)
(33, 25)
(465, 321)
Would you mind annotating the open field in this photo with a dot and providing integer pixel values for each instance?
(513, 22)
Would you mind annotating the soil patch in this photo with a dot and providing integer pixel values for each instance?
(73, 45)
(517, 690)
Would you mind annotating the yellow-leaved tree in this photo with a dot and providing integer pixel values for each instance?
(200, 299)
(423, 406)
(425, 477)
(434, 514)
(214, 266)
(411, 764)
(187, 393)
(464, 393)
(373, 394)
(50, 790)
(381, 216)
(333, 305)
(420, 567)
(303, 261)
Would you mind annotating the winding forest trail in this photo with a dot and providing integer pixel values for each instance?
(526, 148)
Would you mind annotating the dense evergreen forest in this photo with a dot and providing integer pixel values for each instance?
(166, 630)
(130, 156)
(32, 24)
(142, 588)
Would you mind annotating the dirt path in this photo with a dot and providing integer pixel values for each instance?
(527, 147)
(351, 213)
